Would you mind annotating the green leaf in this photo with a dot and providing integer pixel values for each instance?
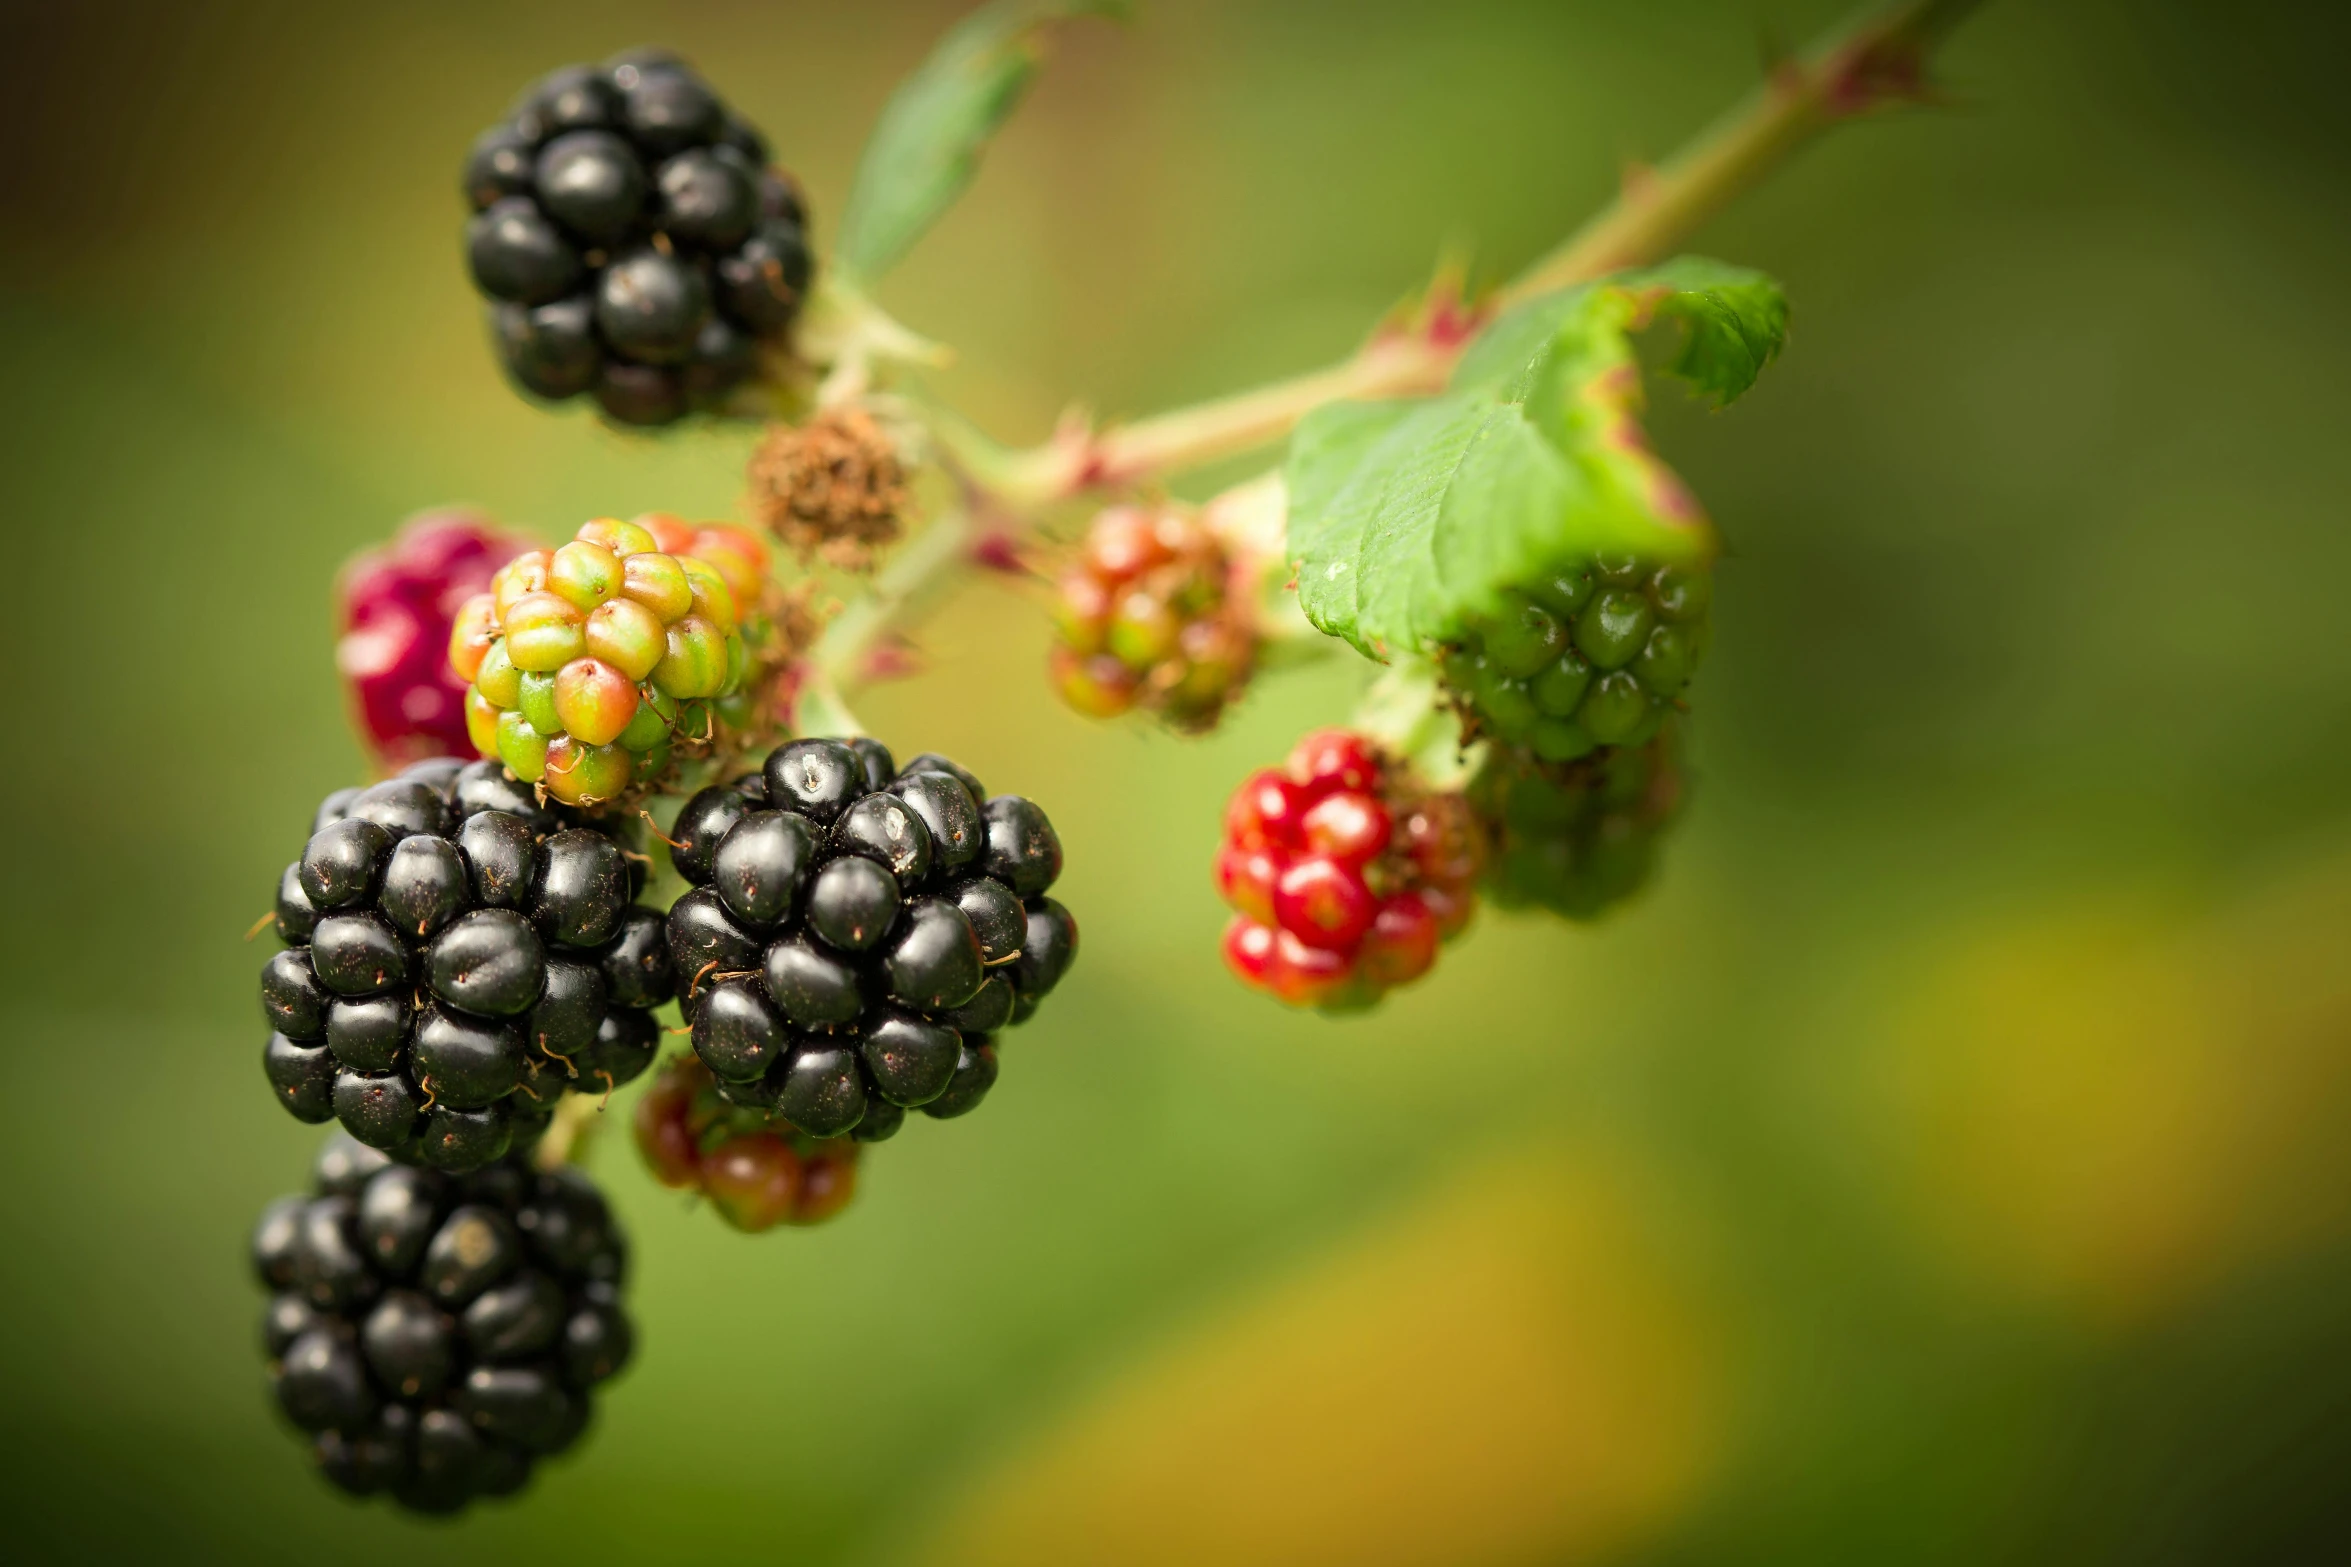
(1411, 519)
(927, 144)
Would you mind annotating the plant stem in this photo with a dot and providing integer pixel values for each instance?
(1876, 60)
(842, 659)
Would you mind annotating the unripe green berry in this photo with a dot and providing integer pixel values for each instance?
(659, 583)
(580, 774)
(1666, 661)
(522, 748)
(1620, 571)
(714, 601)
(695, 664)
(621, 538)
(628, 635)
(481, 723)
(646, 730)
(1559, 689)
(543, 633)
(1564, 595)
(535, 700)
(584, 575)
(1681, 593)
(1560, 740)
(1525, 639)
(1612, 630)
(498, 681)
(1615, 709)
(1504, 701)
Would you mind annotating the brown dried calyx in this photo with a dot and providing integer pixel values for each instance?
(831, 489)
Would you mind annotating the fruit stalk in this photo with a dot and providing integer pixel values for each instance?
(1879, 59)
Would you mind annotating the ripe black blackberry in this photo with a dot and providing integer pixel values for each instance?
(632, 240)
(858, 932)
(435, 1336)
(457, 955)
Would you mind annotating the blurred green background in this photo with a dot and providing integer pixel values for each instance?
(1945, 1162)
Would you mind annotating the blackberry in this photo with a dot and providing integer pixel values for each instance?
(846, 948)
(434, 1336)
(1595, 656)
(457, 955)
(1150, 616)
(1343, 874)
(592, 664)
(1581, 838)
(632, 242)
(757, 1172)
(395, 606)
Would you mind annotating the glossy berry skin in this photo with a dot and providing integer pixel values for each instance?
(1153, 615)
(433, 1336)
(477, 955)
(1580, 839)
(851, 927)
(592, 665)
(394, 608)
(1594, 656)
(630, 243)
(1343, 874)
(757, 1171)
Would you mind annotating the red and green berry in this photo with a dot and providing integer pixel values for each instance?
(756, 1172)
(592, 663)
(1151, 617)
(1344, 873)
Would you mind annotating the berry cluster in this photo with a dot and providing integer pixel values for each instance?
(1149, 618)
(756, 1172)
(1580, 838)
(593, 662)
(395, 606)
(1592, 657)
(632, 240)
(857, 933)
(457, 955)
(1345, 876)
(437, 1336)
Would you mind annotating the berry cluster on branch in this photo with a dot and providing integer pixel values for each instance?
(1469, 500)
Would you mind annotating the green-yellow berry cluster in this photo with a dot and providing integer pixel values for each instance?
(589, 663)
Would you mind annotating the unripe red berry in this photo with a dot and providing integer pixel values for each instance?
(753, 1182)
(1402, 942)
(1329, 759)
(1303, 975)
(1248, 950)
(1245, 878)
(1345, 874)
(1150, 617)
(1266, 812)
(1319, 900)
(1348, 826)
